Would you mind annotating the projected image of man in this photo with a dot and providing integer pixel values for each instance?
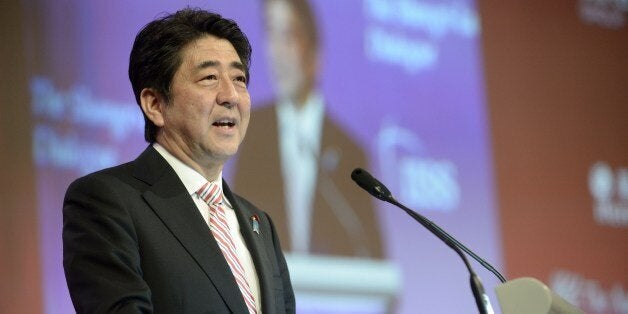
(318, 209)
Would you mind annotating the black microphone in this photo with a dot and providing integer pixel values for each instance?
(366, 181)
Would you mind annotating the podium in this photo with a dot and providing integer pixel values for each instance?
(331, 284)
(530, 296)
(356, 285)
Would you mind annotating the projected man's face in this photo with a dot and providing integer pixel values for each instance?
(292, 55)
(208, 113)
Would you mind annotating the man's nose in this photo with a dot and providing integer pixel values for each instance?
(227, 94)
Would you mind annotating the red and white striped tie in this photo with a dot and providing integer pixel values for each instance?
(211, 193)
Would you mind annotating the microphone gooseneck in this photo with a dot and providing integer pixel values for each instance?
(367, 182)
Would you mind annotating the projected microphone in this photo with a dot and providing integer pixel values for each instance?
(379, 190)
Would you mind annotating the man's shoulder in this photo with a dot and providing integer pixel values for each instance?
(334, 132)
(119, 173)
(264, 112)
(264, 106)
(125, 174)
(262, 128)
(115, 171)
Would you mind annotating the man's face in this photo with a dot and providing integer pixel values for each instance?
(289, 50)
(209, 109)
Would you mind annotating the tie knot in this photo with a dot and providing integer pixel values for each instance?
(211, 193)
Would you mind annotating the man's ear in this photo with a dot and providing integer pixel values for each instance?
(153, 105)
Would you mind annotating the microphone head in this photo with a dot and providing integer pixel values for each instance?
(366, 181)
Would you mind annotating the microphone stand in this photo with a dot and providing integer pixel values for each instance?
(480, 260)
(481, 299)
(377, 189)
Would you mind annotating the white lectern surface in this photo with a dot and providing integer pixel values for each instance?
(361, 285)
(530, 296)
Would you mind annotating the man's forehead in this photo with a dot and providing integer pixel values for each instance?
(211, 51)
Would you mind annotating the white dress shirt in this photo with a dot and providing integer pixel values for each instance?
(192, 181)
(300, 130)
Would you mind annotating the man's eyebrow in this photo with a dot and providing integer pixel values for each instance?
(207, 64)
(212, 63)
(238, 65)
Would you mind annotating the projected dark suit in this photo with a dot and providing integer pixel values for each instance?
(341, 217)
(134, 241)
(341, 229)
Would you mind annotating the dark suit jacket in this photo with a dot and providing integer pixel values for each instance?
(135, 242)
(336, 229)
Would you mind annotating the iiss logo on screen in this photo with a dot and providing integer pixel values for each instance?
(609, 190)
(417, 181)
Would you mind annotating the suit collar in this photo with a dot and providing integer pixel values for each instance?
(149, 166)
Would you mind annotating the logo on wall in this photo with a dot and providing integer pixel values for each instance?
(416, 180)
(609, 190)
(589, 294)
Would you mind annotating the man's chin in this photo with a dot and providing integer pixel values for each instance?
(224, 152)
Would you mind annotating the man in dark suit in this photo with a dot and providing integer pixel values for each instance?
(313, 199)
(143, 237)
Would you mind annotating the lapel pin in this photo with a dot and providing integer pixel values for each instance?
(255, 221)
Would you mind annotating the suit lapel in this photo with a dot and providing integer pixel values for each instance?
(255, 244)
(170, 200)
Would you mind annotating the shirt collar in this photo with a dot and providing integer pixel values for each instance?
(192, 180)
(313, 106)
(304, 122)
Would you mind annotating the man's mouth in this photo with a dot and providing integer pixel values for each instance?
(229, 123)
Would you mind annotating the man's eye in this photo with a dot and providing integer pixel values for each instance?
(241, 78)
(210, 77)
